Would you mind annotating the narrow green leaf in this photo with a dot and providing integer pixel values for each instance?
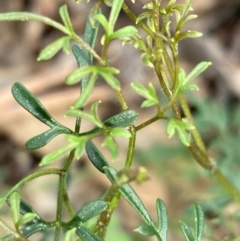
(94, 110)
(78, 74)
(83, 57)
(104, 22)
(14, 201)
(89, 210)
(30, 103)
(187, 34)
(121, 132)
(124, 32)
(95, 156)
(80, 147)
(26, 218)
(116, 8)
(82, 100)
(70, 234)
(49, 51)
(145, 230)
(187, 232)
(123, 119)
(197, 71)
(45, 137)
(55, 155)
(26, 208)
(199, 222)
(111, 144)
(162, 219)
(63, 11)
(84, 115)
(87, 235)
(33, 228)
(130, 195)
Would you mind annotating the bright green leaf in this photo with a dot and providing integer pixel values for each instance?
(145, 230)
(63, 11)
(187, 232)
(199, 222)
(103, 21)
(162, 219)
(82, 100)
(124, 32)
(197, 71)
(111, 144)
(14, 201)
(78, 74)
(95, 156)
(181, 127)
(26, 218)
(121, 132)
(80, 147)
(55, 155)
(187, 34)
(70, 234)
(111, 80)
(49, 51)
(116, 8)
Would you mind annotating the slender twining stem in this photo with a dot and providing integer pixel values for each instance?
(32, 176)
(59, 207)
(131, 147)
(132, 16)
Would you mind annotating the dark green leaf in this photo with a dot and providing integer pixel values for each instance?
(145, 230)
(86, 235)
(162, 219)
(130, 195)
(33, 228)
(187, 232)
(199, 222)
(89, 210)
(45, 137)
(63, 11)
(83, 57)
(123, 119)
(95, 156)
(30, 102)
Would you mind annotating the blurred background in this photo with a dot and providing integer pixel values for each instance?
(174, 176)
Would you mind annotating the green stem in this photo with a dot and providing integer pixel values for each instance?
(32, 176)
(57, 233)
(132, 16)
(25, 16)
(131, 147)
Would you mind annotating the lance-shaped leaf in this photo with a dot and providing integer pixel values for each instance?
(82, 56)
(130, 195)
(63, 11)
(124, 32)
(87, 235)
(45, 137)
(199, 222)
(116, 8)
(187, 34)
(162, 219)
(30, 103)
(146, 230)
(187, 232)
(14, 201)
(95, 156)
(51, 50)
(88, 211)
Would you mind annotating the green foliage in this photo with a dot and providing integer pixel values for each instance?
(159, 50)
